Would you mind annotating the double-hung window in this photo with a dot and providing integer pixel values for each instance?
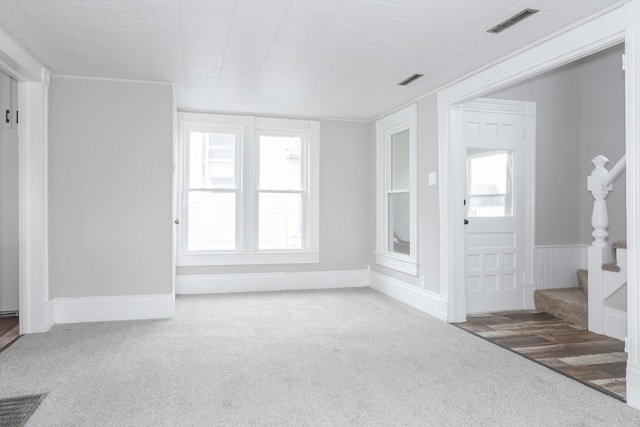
(248, 190)
(396, 161)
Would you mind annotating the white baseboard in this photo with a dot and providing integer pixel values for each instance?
(633, 385)
(615, 323)
(422, 299)
(529, 303)
(49, 315)
(258, 282)
(104, 309)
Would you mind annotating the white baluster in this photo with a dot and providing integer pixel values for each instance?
(600, 216)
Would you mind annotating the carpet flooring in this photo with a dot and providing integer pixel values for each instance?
(348, 357)
(595, 360)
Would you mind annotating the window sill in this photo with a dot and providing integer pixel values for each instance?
(401, 264)
(194, 260)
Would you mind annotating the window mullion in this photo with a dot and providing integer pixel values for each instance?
(249, 174)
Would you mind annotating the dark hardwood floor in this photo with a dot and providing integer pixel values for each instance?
(595, 360)
(9, 330)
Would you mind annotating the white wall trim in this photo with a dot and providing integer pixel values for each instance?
(112, 308)
(632, 112)
(594, 35)
(615, 323)
(258, 114)
(33, 104)
(633, 384)
(529, 303)
(397, 262)
(422, 299)
(17, 61)
(110, 79)
(260, 282)
(194, 259)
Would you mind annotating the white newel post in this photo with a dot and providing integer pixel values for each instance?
(600, 215)
(599, 249)
(632, 111)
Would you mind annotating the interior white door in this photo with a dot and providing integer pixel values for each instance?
(9, 234)
(495, 210)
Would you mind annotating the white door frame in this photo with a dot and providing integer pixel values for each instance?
(618, 24)
(36, 313)
(602, 32)
(528, 111)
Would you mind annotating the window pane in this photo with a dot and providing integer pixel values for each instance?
(280, 163)
(212, 221)
(399, 228)
(280, 221)
(490, 188)
(400, 160)
(212, 160)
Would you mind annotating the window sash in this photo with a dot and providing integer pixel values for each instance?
(388, 189)
(303, 191)
(237, 226)
(386, 127)
(304, 238)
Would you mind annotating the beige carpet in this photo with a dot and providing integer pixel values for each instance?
(348, 357)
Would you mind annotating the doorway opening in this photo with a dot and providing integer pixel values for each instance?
(9, 211)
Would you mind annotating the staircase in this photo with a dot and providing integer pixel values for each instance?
(568, 304)
(586, 306)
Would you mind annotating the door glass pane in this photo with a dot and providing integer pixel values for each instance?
(212, 221)
(490, 183)
(280, 167)
(280, 221)
(399, 237)
(400, 160)
(212, 160)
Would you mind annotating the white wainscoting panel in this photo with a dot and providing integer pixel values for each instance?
(557, 266)
(258, 282)
(422, 299)
(105, 309)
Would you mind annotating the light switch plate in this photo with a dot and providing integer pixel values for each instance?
(432, 178)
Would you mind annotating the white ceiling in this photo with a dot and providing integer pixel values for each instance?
(312, 58)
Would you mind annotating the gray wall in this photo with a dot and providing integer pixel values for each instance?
(557, 98)
(110, 188)
(347, 206)
(580, 114)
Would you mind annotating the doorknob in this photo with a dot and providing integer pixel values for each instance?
(466, 221)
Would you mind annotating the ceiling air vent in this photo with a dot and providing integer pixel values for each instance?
(410, 79)
(512, 21)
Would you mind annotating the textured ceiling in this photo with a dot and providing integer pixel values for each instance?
(312, 58)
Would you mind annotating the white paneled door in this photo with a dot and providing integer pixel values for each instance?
(495, 206)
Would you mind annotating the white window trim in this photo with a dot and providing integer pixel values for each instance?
(406, 118)
(246, 253)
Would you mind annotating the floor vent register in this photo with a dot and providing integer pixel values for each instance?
(15, 411)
